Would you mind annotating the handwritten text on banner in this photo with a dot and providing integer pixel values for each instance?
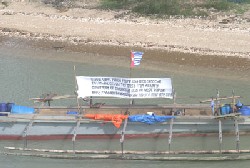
(124, 87)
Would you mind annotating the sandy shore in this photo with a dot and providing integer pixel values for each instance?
(81, 29)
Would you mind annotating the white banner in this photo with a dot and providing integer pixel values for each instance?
(124, 87)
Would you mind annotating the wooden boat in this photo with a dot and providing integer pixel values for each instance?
(61, 122)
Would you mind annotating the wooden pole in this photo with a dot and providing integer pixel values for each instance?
(77, 100)
(79, 111)
(194, 152)
(237, 134)
(220, 98)
(130, 76)
(220, 135)
(123, 134)
(170, 134)
(75, 133)
(171, 125)
(136, 157)
(26, 130)
(217, 101)
(233, 101)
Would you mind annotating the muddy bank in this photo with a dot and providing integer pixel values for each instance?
(156, 55)
(194, 42)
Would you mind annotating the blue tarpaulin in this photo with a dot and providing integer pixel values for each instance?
(149, 119)
(245, 111)
(16, 109)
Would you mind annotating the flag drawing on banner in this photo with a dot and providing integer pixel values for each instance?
(136, 58)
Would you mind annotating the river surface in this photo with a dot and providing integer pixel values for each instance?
(27, 73)
(161, 144)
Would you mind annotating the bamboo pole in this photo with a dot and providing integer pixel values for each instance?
(217, 101)
(194, 152)
(220, 135)
(131, 101)
(171, 126)
(26, 130)
(237, 134)
(170, 134)
(75, 133)
(220, 98)
(76, 87)
(136, 157)
(123, 134)
(233, 101)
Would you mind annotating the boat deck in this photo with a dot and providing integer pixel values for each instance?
(181, 109)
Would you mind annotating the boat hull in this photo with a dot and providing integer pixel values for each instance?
(53, 127)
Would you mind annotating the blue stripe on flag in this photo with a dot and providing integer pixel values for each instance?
(137, 57)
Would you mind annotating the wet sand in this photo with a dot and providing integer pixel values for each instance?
(194, 42)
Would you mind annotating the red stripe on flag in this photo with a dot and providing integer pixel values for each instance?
(132, 59)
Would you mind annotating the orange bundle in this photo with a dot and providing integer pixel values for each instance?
(115, 118)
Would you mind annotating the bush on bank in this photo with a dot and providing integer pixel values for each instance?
(176, 7)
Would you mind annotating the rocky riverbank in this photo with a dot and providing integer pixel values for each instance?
(93, 30)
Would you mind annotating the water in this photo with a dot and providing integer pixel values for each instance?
(26, 73)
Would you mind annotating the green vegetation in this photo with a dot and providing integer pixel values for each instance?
(176, 7)
(5, 3)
